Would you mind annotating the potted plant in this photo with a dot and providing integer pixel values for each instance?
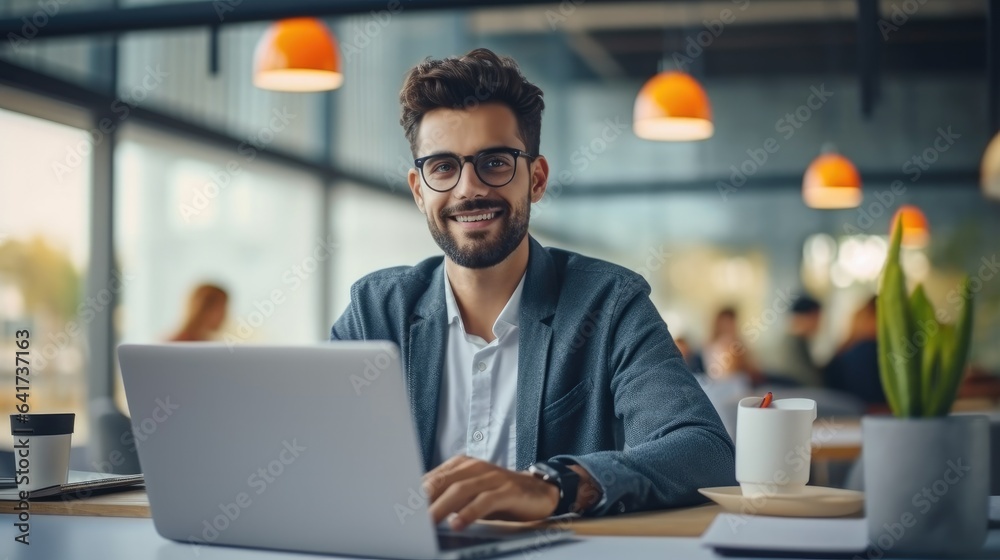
(926, 473)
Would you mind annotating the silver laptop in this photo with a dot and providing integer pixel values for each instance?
(291, 448)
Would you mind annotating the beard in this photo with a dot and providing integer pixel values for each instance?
(482, 249)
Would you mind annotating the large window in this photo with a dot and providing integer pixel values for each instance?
(45, 191)
(187, 214)
(373, 230)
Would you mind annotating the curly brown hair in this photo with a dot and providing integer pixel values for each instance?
(481, 76)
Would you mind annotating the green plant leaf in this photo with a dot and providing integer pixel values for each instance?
(898, 357)
(921, 306)
(930, 373)
(887, 374)
(940, 403)
(956, 353)
(927, 345)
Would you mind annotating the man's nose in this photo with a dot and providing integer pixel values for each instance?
(469, 185)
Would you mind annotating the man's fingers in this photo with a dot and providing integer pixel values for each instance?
(435, 483)
(452, 462)
(448, 465)
(458, 495)
(480, 507)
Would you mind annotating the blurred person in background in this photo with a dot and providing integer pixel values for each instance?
(854, 368)
(725, 355)
(685, 347)
(206, 312)
(800, 366)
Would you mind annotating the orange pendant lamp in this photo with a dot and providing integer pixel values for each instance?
(916, 232)
(672, 106)
(831, 182)
(297, 55)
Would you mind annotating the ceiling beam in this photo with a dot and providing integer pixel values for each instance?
(942, 47)
(98, 104)
(611, 16)
(874, 180)
(488, 16)
(595, 56)
(221, 12)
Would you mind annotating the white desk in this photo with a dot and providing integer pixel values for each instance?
(108, 538)
(105, 538)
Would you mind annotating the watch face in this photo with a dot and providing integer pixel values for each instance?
(545, 470)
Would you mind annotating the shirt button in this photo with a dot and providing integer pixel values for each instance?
(477, 435)
(482, 366)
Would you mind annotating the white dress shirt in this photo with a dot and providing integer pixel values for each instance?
(478, 399)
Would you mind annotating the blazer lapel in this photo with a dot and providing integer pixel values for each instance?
(538, 305)
(425, 362)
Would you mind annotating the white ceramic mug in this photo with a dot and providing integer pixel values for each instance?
(774, 445)
(42, 444)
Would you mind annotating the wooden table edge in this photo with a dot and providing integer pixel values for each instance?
(129, 503)
(677, 522)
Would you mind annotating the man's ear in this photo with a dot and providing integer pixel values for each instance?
(413, 178)
(539, 178)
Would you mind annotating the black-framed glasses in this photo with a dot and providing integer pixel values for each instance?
(495, 167)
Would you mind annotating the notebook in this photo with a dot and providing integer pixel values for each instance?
(776, 537)
(79, 484)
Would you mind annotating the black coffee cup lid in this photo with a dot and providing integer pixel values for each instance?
(42, 424)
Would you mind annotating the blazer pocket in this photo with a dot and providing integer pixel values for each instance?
(568, 403)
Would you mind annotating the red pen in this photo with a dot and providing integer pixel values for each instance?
(766, 401)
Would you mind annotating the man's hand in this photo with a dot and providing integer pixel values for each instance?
(475, 489)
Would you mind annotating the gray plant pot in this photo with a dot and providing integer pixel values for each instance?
(927, 484)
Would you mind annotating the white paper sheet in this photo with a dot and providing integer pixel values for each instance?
(786, 534)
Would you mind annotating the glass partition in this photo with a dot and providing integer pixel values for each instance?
(189, 214)
(45, 193)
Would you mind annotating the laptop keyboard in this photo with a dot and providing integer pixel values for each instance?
(449, 542)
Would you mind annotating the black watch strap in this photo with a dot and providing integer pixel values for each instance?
(564, 478)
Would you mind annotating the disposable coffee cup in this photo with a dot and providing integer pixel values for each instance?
(41, 449)
(774, 446)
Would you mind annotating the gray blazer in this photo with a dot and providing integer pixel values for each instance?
(600, 381)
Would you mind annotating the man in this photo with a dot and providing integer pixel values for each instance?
(519, 357)
(800, 366)
(854, 368)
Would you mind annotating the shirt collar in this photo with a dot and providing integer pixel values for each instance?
(509, 317)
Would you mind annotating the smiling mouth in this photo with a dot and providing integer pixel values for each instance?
(469, 218)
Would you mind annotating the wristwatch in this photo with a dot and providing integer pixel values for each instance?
(564, 478)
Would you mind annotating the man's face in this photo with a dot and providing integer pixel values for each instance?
(805, 324)
(484, 242)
